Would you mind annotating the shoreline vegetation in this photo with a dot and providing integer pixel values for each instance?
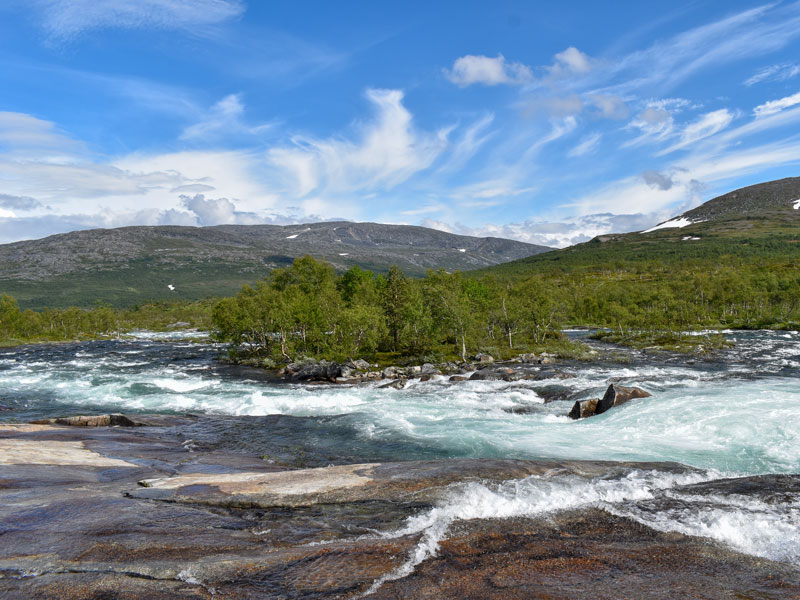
(308, 312)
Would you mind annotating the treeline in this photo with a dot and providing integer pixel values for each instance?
(307, 309)
(24, 326)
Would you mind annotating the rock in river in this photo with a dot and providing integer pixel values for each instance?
(616, 395)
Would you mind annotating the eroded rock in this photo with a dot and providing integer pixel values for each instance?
(583, 408)
(616, 395)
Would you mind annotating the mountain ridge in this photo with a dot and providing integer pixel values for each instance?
(129, 265)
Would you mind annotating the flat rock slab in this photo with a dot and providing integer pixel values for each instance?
(76, 524)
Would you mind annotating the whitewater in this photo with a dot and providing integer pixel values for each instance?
(728, 416)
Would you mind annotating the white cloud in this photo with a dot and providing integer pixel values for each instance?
(63, 19)
(224, 119)
(472, 69)
(387, 152)
(703, 127)
(780, 72)
(586, 146)
(610, 107)
(775, 106)
(25, 135)
(570, 62)
(8, 201)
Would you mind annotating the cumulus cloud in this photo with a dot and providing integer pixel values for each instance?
(558, 233)
(570, 62)
(216, 211)
(63, 19)
(775, 106)
(387, 151)
(472, 69)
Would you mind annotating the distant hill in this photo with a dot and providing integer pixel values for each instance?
(129, 265)
(759, 222)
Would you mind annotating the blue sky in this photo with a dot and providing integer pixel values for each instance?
(545, 122)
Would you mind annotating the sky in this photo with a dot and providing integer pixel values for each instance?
(548, 123)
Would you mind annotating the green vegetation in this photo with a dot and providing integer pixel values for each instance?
(51, 325)
(307, 310)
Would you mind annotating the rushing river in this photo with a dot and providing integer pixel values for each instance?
(728, 416)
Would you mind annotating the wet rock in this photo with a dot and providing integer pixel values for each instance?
(482, 357)
(426, 377)
(554, 392)
(616, 395)
(484, 375)
(389, 372)
(397, 384)
(583, 408)
(112, 420)
(456, 378)
(548, 374)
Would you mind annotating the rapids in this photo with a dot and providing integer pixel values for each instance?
(733, 415)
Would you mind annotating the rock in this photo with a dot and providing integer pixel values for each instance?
(482, 357)
(397, 384)
(345, 371)
(617, 394)
(455, 378)
(583, 408)
(315, 371)
(414, 369)
(360, 364)
(389, 372)
(113, 420)
(429, 368)
(426, 377)
(528, 357)
(484, 375)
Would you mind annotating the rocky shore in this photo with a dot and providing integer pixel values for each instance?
(130, 508)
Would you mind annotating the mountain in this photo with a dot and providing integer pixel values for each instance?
(756, 223)
(129, 265)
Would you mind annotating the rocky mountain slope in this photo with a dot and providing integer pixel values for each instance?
(760, 222)
(133, 264)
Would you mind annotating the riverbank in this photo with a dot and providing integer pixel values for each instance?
(148, 512)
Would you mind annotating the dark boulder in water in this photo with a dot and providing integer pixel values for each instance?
(583, 408)
(616, 395)
(113, 420)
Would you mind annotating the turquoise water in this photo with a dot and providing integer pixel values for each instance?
(731, 416)
(736, 414)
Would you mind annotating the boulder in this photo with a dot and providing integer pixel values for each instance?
(113, 420)
(389, 372)
(583, 408)
(618, 394)
(455, 378)
(360, 364)
(528, 357)
(484, 375)
(315, 371)
(482, 357)
(397, 384)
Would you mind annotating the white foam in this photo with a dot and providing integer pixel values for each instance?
(796, 204)
(291, 237)
(529, 497)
